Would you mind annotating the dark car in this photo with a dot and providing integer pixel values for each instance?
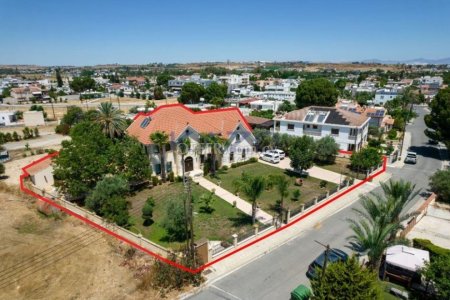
(433, 142)
(334, 255)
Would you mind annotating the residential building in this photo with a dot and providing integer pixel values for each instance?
(177, 84)
(7, 118)
(347, 128)
(384, 95)
(26, 93)
(264, 105)
(431, 80)
(181, 123)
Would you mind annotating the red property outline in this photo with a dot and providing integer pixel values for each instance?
(25, 174)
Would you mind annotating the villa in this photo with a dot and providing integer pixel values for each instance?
(181, 123)
(349, 129)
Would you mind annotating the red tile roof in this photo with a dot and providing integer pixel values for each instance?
(174, 118)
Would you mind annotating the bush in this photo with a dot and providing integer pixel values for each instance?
(243, 163)
(147, 211)
(323, 183)
(296, 195)
(429, 246)
(63, 129)
(171, 177)
(224, 168)
(155, 180)
(392, 134)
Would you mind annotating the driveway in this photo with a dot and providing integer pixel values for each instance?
(315, 171)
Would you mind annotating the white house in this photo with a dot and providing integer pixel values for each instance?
(264, 105)
(181, 124)
(349, 129)
(384, 95)
(7, 118)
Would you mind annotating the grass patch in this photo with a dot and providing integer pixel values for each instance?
(224, 221)
(309, 190)
(342, 165)
(386, 286)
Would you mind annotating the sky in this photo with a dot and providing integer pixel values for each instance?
(81, 32)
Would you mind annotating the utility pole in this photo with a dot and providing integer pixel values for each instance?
(191, 249)
(327, 251)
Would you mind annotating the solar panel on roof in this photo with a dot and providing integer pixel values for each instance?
(145, 122)
(309, 117)
(321, 118)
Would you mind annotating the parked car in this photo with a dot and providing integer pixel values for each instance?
(280, 153)
(270, 157)
(433, 142)
(334, 255)
(411, 158)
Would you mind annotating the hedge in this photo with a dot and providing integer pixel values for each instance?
(242, 163)
(429, 246)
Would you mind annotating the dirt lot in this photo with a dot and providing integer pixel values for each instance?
(45, 257)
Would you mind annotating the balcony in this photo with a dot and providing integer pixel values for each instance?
(313, 132)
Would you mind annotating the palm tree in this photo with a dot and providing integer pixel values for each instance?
(381, 218)
(282, 186)
(161, 139)
(214, 141)
(111, 120)
(252, 187)
(373, 238)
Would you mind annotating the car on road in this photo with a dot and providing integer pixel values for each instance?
(334, 255)
(411, 158)
(270, 157)
(280, 153)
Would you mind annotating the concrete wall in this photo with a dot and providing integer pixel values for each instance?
(33, 118)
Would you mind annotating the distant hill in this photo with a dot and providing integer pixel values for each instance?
(417, 61)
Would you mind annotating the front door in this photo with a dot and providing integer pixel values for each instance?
(188, 164)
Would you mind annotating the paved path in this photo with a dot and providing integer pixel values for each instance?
(315, 171)
(241, 204)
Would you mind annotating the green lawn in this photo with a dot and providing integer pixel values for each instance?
(224, 221)
(342, 165)
(385, 286)
(309, 190)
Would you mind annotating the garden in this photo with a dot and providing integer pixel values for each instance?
(214, 218)
(299, 189)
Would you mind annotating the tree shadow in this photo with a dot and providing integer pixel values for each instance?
(240, 220)
(148, 223)
(426, 151)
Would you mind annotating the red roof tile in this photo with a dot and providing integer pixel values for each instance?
(174, 118)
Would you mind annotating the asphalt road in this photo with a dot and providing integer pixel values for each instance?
(274, 275)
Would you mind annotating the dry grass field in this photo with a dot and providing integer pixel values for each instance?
(44, 257)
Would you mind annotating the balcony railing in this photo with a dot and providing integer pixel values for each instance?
(312, 132)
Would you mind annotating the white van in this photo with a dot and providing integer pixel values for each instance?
(280, 153)
(270, 157)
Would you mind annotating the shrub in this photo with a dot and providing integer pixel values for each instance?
(40, 151)
(429, 246)
(392, 134)
(296, 195)
(147, 211)
(323, 183)
(243, 163)
(171, 176)
(224, 168)
(63, 129)
(155, 181)
(234, 203)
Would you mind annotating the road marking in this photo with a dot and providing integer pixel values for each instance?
(225, 292)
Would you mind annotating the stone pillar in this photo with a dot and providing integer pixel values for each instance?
(140, 239)
(328, 194)
(256, 227)
(235, 236)
(316, 200)
(303, 207)
(288, 215)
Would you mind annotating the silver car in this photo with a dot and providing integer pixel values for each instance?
(411, 158)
